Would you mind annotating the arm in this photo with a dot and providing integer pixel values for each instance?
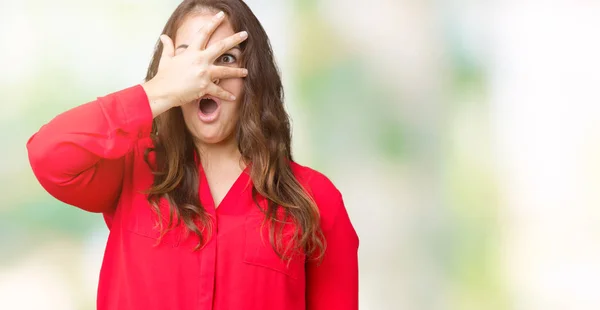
(333, 284)
(79, 156)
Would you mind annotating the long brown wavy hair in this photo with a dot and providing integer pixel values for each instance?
(263, 138)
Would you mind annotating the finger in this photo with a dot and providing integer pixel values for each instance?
(219, 72)
(218, 48)
(168, 49)
(219, 92)
(202, 36)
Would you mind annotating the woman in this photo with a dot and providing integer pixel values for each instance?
(193, 173)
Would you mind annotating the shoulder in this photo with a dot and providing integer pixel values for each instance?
(322, 190)
(316, 183)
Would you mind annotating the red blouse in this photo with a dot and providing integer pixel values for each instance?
(92, 157)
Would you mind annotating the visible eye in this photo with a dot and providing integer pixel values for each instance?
(227, 59)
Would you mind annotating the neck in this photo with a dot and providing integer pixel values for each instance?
(219, 154)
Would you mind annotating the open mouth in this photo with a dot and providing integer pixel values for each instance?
(208, 108)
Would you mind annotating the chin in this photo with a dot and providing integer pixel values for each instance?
(211, 138)
(213, 133)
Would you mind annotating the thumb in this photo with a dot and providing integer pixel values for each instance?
(168, 49)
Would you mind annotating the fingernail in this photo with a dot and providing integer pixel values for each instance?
(232, 97)
(243, 34)
(220, 14)
(245, 71)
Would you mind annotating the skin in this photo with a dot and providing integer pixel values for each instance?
(204, 61)
(221, 129)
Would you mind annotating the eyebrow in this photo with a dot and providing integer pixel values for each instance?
(237, 47)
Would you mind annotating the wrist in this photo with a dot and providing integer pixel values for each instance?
(159, 101)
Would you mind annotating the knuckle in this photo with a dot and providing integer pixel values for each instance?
(202, 71)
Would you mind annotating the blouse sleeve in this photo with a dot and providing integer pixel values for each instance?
(78, 157)
(333, 284)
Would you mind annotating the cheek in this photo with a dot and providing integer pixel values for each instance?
(189, 111)
(234, 86)
(232, 112)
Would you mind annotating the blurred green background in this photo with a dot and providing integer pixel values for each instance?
(464, 136)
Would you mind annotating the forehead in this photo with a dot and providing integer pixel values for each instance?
(193, 22)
